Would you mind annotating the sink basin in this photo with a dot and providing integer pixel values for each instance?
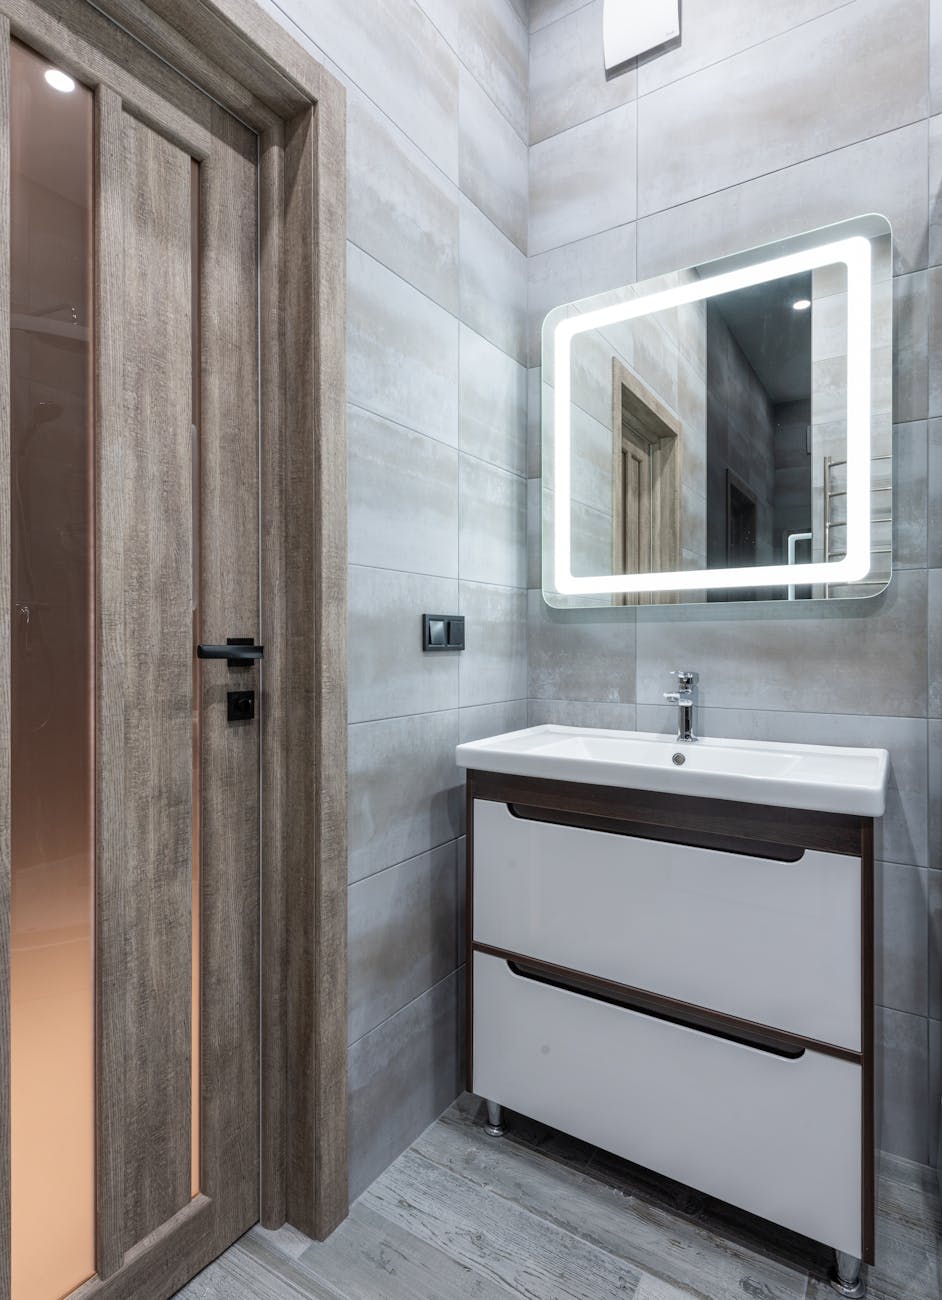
(827, 778)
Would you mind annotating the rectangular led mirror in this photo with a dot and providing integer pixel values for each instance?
(724, 432)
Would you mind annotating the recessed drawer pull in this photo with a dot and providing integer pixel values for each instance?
(659, 1009)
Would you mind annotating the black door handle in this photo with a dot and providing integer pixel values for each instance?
(238, 652)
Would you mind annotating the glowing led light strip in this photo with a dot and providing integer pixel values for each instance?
(854, 253)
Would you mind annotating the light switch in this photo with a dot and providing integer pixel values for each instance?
(442, 631)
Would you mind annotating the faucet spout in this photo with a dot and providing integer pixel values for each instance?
(684, 699)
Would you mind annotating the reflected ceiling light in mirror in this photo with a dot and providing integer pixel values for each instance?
(855, 255)
(802, 304)
(59, 80)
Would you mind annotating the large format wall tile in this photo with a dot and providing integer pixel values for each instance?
(902, 938)
(368, 39)
(549, 11)
(935, 643)
(903, 1084)
(403, 926)
(492, 403)
(761, 110)
(492, 539)
(401, 209)
(390, 674)
(582, 713)
(402, 1076)
(403, 497)
(911, 359)
(910, 495)
(402, 350)
(493, 667)
(404, 789)
(493, 44)
(493, 282)
(886, 174)
(850, 656)
(582, 181)
(481, 720)
(935, 802)
(578, 270)
(492, 167)
(568, 84)
(580, 654)
(713, 30)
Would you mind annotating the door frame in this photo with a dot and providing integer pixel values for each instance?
(261, 75)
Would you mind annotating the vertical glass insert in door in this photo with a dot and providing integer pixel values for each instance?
(52, 665)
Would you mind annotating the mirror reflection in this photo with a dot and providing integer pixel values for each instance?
(712, 435)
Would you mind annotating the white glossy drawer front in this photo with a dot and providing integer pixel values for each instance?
(777, 943)
(776, 1136)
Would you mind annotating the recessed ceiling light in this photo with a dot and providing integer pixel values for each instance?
(801, 304)
(59, 80)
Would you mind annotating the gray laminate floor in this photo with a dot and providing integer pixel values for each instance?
(541, 1216)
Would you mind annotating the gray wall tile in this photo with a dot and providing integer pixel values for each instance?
(935, 1090)
(493, 43)
(934, 495)
(568, 84)
(802, 652)
(713, 30)
(577, 270)
(935, 796)
(403, 926)
(493, 667)
(403, 490)
(402, 1076)
(493, 282)
(366, 40)
(582, 181)
(492, 166)
(935, 190)
(492, 538)
(401, 209)
(935, 643)
(934, 975)
(481, 720)
(903, 1084)
(404, 789)
(402, 349)
(776, 90)
(910, 495)
(390, 674)
(911, 341)
(548, 11)
(580, 654)
(492, 403)
(582, 713)
(886, 174)
(902, 938)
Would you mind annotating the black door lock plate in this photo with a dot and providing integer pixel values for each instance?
(240, 706)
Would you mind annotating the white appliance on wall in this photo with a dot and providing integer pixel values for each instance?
(632, 27)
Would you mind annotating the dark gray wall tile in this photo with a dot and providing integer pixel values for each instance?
(404, 789)
(903, 1084)
(402, 1076)
(390, 674)
(902, 938)
(403, 926)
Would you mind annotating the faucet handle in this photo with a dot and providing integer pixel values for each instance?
(686, 678)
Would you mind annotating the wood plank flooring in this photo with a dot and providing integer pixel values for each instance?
(540, 1216)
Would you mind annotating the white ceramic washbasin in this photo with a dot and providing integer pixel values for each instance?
(828, 778)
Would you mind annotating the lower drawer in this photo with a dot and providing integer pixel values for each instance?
(779, 1137)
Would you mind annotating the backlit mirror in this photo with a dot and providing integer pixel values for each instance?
(724, 432)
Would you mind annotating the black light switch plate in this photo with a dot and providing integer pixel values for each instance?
(443, 631)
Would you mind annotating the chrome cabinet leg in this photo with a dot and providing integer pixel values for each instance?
(495, 1120)
(845, 1279)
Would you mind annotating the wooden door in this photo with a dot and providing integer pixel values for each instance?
(168, 335)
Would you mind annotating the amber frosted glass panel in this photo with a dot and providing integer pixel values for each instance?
(51, 987)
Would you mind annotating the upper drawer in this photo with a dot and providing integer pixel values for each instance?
(774, 942)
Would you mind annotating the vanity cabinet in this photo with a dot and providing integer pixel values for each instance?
(685, 982)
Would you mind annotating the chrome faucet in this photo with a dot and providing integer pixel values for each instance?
(683, 697)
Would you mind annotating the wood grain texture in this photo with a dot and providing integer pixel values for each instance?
(830, 832)
(276, 686)
(75, 36)
(315, 568)
(868, 1108)
(157, 680)
(110, 654)
(5, 597)
(229, 606)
